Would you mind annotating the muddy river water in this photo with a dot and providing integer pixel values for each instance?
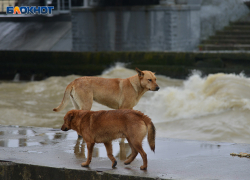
(212, 108)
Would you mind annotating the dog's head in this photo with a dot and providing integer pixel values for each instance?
(67, 120)
(148, 80)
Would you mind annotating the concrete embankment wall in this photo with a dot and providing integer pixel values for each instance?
(173, 64)
(136, 28)
(176, 27)
(13, 171)
(165, 27)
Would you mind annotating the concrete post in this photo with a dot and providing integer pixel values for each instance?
(69, 4)
(85, 3)
(58, 6)
(63, 3)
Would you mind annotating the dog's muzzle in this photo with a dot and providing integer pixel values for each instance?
(157, 88)
(64, 129)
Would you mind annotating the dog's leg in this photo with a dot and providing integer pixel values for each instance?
(138, 147)
(132, 156)
(84, 99)
(109, 149)
(90, 147)
(122, 154)
(74, 103)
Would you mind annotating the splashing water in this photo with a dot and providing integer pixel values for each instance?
(216, 107)
(203, 96)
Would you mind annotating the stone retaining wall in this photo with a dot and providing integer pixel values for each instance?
(172, 64)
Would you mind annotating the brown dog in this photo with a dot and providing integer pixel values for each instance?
(114, 93)
(105, 126)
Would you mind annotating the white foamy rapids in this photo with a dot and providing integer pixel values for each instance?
(118, 71)
(198, 97)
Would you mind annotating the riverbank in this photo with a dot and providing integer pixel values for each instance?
(37, 65)
(45, 153)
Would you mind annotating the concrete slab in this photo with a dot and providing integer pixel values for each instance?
(45, 153)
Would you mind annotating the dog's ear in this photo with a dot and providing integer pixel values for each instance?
(70, 116)
(140, 73)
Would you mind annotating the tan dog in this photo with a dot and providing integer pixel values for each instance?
(105, 126)
(114, 93)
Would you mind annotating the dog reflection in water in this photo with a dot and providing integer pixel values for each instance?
(105, 126)
(79, 150)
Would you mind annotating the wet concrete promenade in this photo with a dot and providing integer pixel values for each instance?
(45, 153)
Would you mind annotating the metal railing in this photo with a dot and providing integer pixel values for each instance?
(5, 3)
(60, 6)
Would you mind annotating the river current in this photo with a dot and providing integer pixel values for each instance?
(211, 108)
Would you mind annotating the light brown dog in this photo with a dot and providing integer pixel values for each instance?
(105, 126)
(114, 93)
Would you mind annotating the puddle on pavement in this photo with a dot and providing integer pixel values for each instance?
(29, 137)
(26, 132)
(210, 146)
(121, 150)
(17, 143)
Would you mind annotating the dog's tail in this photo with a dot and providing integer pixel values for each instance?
(151, 135)
(66, 98)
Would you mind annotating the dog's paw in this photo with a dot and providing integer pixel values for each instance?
(143, 168)
(84, 165)
(115, 163)
(126, 163)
